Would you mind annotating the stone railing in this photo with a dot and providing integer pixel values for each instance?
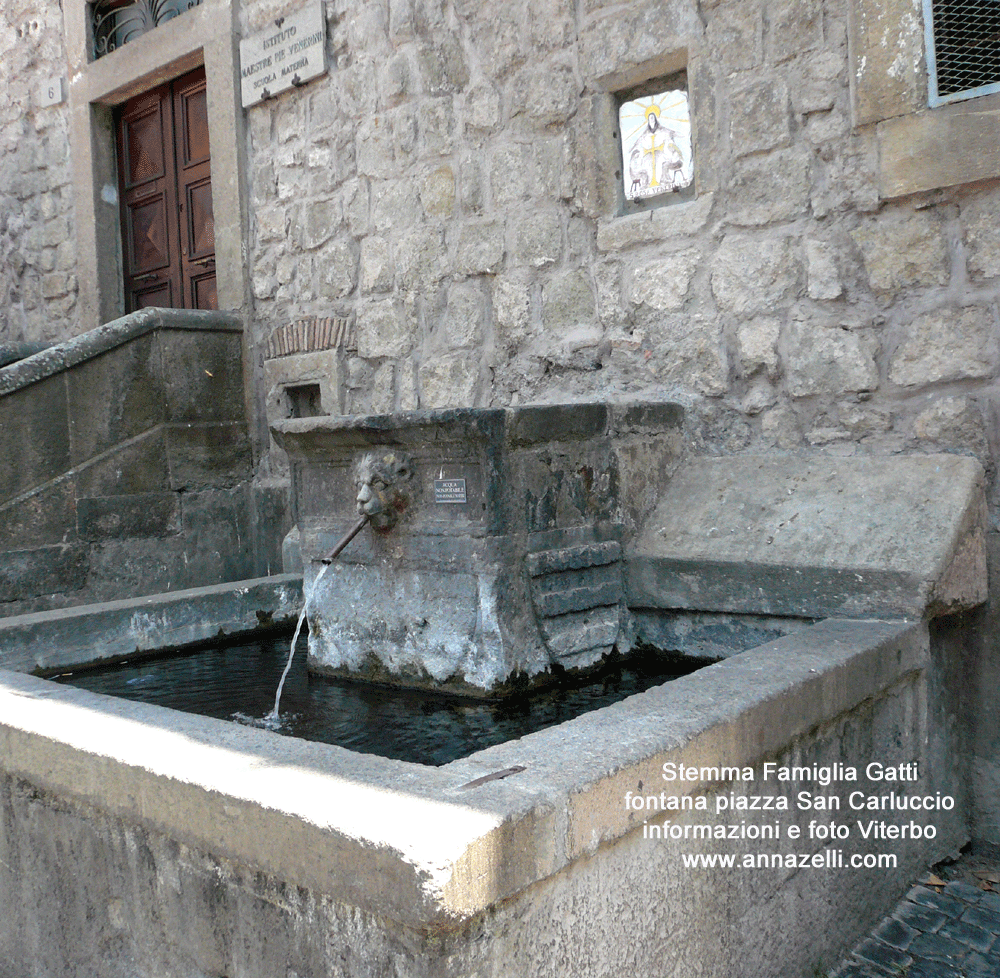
(130, 462)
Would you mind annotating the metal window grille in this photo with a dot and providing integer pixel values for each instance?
(116, 22)
(963, 48)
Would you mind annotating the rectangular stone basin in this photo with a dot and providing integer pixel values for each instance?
(136, 840)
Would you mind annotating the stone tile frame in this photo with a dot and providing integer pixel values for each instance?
(686, 58)
(205, 35)
(920, 148)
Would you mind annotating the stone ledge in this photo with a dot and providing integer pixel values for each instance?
(648, 227)
(942, 147)
(96, 341)
(113, 629)
(803, 537)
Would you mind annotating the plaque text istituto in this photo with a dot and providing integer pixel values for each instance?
(288, 54)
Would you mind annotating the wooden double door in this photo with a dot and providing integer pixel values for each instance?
(165, 188)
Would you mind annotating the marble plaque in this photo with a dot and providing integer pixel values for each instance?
(289, 53)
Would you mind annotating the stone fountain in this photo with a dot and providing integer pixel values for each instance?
(502, 546)
(495, 550)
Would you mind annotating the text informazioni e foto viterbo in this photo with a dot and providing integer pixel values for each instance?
(812, 805)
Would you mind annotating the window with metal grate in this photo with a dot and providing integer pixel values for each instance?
(963, 49)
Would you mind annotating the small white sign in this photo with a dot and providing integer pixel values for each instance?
(51, 92)
(286, 55)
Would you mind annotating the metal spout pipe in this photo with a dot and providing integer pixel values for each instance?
(348, 537)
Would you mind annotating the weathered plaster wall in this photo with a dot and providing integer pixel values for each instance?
(38, 284)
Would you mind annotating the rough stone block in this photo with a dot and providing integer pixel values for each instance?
(887, 53)
(120, 393)
(955, 422)
(981, 234)
(757, 338)
(822, 274)
(395, 206)
(339, 263)
(660, 223)
(512, 173)
(435, 122)
(202, 375)
(374, 148)
(319, 221)
(139, 465)
(216, 455)
(573, 558)
(34, 431)
(827, 360)
(755, 197)
(437, 192)
(383, 389)
(537, 240)
(902, 250)
(420, 259)
(794, 27)
(376, 265)
(511, 310)
(384, 330)
(760, 117)
(751, 274)
(558, 422)
(482, 107)
(120, 517)
(734, 34)
(568, 301)
(661, 417)
(545, 95)
(45, 570)
(631, 42)
(217, 536)
(480, 247)
(449, 381)
(45, 516)
(464, 316)
(910, 160)
(662, 284)
(950, 344)
(442, 65)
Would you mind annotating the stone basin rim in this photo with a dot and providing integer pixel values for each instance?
(403, 840)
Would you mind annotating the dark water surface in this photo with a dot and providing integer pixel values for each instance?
(238, 683)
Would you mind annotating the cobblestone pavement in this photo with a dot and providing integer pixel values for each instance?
(949, 931)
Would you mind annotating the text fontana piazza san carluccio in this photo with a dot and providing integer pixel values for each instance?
(781, 775)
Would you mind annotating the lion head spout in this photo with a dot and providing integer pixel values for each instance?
(384, 479)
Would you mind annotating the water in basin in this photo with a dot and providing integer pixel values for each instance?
(238, 682)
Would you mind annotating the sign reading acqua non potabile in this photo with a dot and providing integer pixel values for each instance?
(289, 53)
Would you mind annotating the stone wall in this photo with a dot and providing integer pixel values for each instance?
(450, 187)
(37, 248)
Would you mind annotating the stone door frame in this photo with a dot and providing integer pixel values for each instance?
(206, 35)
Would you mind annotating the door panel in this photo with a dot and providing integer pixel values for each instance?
(168, 228)
(194, 190)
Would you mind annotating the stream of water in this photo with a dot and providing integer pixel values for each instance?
(274, 717)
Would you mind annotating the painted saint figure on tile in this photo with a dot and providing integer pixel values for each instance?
(656, 144)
